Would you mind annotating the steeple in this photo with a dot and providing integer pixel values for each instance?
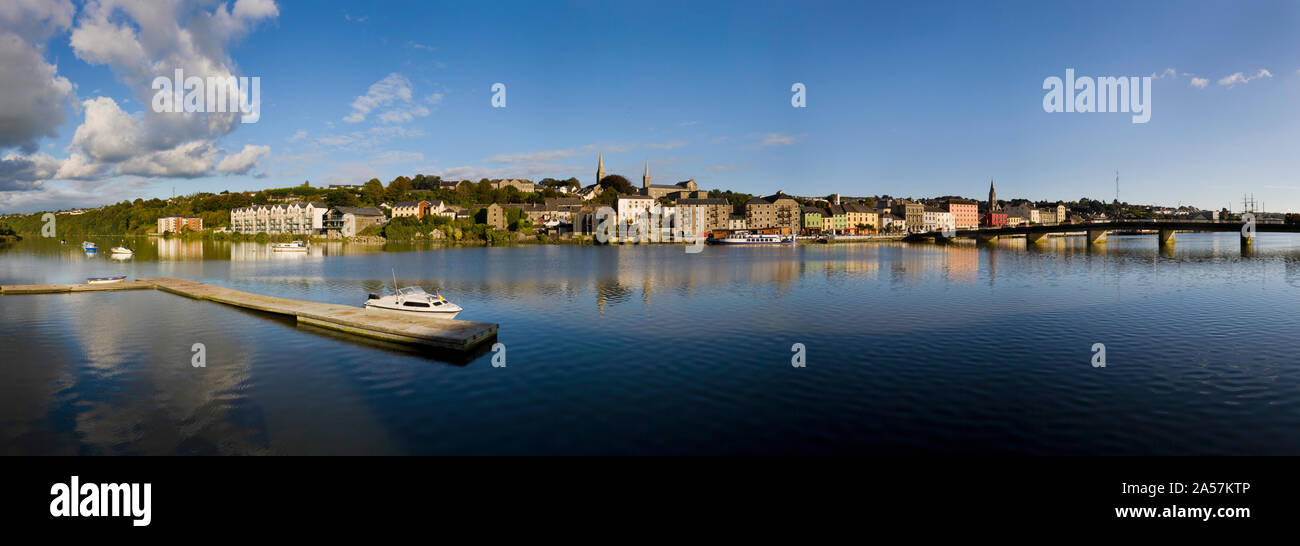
(645, 178)
(600, 168)
(993, 197)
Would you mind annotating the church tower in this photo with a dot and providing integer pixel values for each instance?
(645, 178)
(993, 197)
(600, 168)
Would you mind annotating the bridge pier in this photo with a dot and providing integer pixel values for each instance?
(983, 238)
(1166, 237)
(1247, 242)
(1096, 236)
(1035, 238)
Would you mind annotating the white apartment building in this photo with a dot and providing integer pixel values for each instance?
(936, 219)
(294, 218)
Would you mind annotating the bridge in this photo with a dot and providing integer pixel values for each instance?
(1096, 232)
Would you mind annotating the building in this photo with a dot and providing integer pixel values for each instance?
(892, 223)
(1025, 211)
(714, 213)
(778, 211)
(995, 219)
(965, 213)
(684, 189)
(812, 220)
(561, 209)
(177, 224)
(417, 209)
(632, 208)
(524, 186)
(913, 214)
(861, 218)
(293, 218)
(1048, 216)
(993, 198)
(349, 221)
(736, 222)
(839, 218)
(936, 219)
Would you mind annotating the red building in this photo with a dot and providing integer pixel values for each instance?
(994, 219)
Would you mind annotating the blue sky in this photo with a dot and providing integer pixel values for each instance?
(921, 99)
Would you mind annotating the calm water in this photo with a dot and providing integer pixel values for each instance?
(627, 350)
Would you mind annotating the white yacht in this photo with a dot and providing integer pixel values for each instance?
(105, 280)
(296, 246)
(414, 299)
(123, 251)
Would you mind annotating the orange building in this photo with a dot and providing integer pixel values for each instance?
(177, 224)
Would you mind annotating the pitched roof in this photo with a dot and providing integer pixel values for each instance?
(702, 201)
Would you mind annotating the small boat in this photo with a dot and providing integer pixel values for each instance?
(745, 238)
(105, 280)
(296, 246)
(413, 299)
(123, 250)
(87, 245)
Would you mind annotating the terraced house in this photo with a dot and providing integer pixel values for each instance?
(861, 218)
(292, 218)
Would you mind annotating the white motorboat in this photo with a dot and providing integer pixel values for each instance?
(123, 251)
(413, 299)
(105, 280)
(296, 246)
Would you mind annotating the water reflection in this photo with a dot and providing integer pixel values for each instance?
(912, 348)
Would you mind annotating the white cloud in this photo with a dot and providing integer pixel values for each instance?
(299, 135)
(1241, 78)
(670, 145)
(108, 133)
(1200, 83)
(392, 89)
(243, 161)
(33, 96)
(777, 139)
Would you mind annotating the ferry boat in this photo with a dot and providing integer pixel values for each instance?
(746, 238)
(296, 246)
(105, 280)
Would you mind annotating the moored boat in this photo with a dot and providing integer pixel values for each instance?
(413, 299)
(745, 238)
(89, 246)
(105, 280)
(123, 251)
(296, 246)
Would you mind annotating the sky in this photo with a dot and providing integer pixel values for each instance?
(901, 98)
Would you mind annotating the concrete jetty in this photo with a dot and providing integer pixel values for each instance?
(394, 326)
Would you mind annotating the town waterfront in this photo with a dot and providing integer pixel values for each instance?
(910, 348)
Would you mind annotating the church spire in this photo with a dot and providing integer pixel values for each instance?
(993, 197)
(600, 167)
(645, 178)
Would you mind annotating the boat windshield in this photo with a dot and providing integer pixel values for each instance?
(411, 291)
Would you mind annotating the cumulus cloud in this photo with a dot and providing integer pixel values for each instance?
(243, 161)
(1200, 83)
(33, 96)
(25, 173)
